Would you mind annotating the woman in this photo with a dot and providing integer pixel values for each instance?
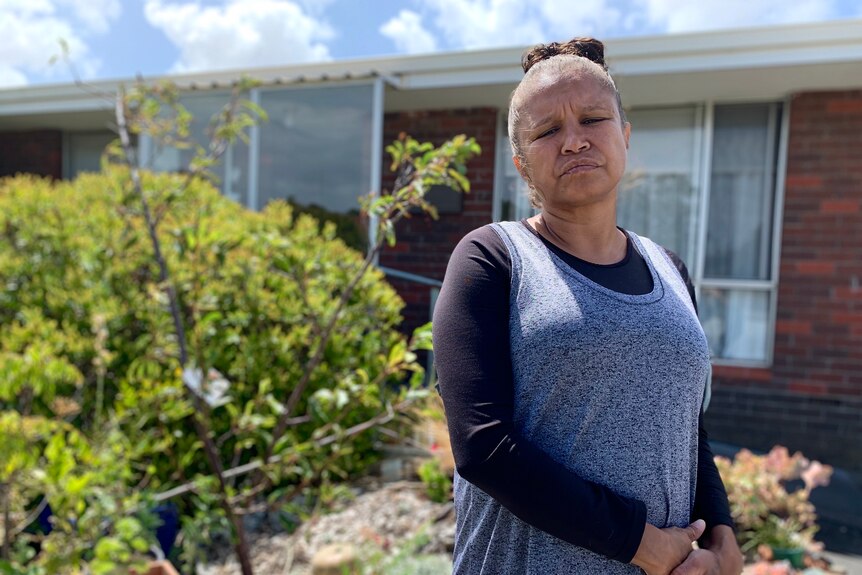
(571, 362)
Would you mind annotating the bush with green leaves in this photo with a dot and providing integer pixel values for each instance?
(86, 482)
(87, 346)
(438, 486)
(255, 288)
(240, 355)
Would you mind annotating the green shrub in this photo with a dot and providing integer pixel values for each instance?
(438, 486)
(86, 336)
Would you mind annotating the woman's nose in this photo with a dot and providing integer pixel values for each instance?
(575, 140)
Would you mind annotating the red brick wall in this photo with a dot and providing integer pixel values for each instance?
(35, 152)
(811, 398)
(424, 245)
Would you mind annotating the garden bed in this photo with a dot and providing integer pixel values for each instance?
(389, 525)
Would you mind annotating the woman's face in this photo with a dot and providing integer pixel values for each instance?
(573, 140)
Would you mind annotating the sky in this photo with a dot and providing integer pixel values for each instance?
(120, 39)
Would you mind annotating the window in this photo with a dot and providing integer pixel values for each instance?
(658, 197)
(737, 288)
(510, 190)
(701, 181)
(231, 172)
(83, 151)
(315, 151)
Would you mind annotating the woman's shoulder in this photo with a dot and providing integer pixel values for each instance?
(678, 263)
(484, 241)
(480, 253)
(672, 255)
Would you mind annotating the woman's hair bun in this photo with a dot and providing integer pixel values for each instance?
(588, 48)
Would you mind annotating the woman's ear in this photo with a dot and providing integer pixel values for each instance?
(627, 133)
(521, 168)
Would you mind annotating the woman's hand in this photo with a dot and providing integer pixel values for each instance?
(699, 562)
(662, 550)
(720, 555)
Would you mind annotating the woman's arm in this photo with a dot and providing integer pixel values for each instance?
(710, 498)
(471, 351)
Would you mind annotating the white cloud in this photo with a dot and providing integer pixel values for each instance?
(240, 33)
(584, 18)
(315, 7)
(10, 77)
(674, 16)
(32, 30)
(27, 7)
(488, 23)
(95, 15)
(408, 33)
(485, 23)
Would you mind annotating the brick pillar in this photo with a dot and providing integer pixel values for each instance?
(424, 245)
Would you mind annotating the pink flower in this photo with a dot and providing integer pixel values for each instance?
(767, 568)
(816, 475)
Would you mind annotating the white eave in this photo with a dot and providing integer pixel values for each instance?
(764, 62)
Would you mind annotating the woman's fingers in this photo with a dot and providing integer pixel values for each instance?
(698, 562)
(662, 550)
(696, 529)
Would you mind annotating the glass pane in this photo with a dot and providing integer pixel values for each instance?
(735, 322)
(85, 151)
(231, 172)
(512, 192)
(658, 194)
(741, 197)
(315, 152)
(316, 147)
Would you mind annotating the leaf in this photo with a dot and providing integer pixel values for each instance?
(463, 184)
(127, 528)
(109, 547)
(276, 406)
(397, 353)
(422, 339)
(102, 566)
(76, 485)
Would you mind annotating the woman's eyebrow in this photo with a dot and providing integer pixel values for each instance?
(596, 108)
(544, 120)
(586, 111)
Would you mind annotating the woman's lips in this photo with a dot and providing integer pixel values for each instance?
(579, 168)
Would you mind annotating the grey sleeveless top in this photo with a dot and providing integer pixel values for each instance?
(605, 383)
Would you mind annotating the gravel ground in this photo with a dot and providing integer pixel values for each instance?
(381, 520)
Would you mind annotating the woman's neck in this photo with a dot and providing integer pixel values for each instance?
(596, 240)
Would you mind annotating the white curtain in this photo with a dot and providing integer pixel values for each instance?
(658, 195)
(741, 194)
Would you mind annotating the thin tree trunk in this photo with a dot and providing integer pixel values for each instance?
(241, 545)
(7, 520)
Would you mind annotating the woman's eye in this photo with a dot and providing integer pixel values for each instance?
(547, 133)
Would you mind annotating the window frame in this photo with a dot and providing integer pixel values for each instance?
(770, 286)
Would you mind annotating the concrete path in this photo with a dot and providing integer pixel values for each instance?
(852, 563)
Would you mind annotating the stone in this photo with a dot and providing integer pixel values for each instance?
(335, 559)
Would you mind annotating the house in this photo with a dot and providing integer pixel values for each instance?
(746, 159)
